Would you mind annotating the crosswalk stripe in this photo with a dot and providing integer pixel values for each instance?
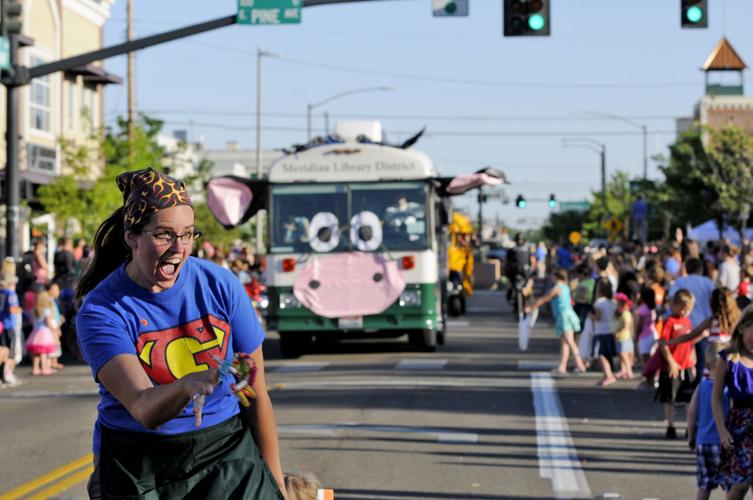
(421, 364)
(535, 365)
(558, 460)
(308, 366)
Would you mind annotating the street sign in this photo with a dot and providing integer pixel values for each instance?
(269, 11)
(575, 237)
(575, 206)
(613, 225)
(443, 8)
(4, 53)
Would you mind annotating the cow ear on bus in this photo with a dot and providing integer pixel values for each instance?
(487, 176)
(233, 200)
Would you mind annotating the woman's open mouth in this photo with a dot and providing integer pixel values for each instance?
(168, 267)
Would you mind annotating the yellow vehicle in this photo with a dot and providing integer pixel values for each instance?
(460, 264)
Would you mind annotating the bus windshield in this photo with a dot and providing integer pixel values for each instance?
(399, 206)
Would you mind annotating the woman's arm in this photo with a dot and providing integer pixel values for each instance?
(717, 404)
(695, 334)
(691, 419)
(261, 419)
(152, 405)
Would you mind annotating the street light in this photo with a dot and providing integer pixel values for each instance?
(631, 122)
(586, 143)
(310, 107)
(258, 220)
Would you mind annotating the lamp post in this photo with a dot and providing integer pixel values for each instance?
(641, 126)
(586, 143)
(310, 107)
(258, 219)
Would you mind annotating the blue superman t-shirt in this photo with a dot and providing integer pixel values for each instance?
(173, 333)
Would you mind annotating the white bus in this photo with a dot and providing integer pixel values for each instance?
(357, 241)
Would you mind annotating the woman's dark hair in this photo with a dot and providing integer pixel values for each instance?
(110, 251)
(648, 297)
(604, 289)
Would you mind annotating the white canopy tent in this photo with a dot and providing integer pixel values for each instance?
(709, 231)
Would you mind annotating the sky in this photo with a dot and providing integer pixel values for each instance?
(485, 99)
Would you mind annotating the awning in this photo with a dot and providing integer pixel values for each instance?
(94, 74)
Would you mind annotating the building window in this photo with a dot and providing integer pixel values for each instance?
(40, 99)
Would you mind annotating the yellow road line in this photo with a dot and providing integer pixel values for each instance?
(47, 478)
(63, 485)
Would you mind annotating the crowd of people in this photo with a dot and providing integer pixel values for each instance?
(676, 316)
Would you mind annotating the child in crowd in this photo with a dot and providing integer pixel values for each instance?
(603, 341)
(57, 321)
(744, 291)
(717, 327)
(702, 434)
(677, 360)
(646, 323)
(736, 430)
(301, 487)
(9, 313)
(622, 326)
(584, 293)
(566, 322)
(42, 342)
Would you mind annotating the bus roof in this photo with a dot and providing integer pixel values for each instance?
(351, 161)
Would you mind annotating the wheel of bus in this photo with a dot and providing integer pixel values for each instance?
(424, 340)
(455, 305)
(293, 344)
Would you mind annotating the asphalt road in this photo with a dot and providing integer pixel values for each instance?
(375, 420)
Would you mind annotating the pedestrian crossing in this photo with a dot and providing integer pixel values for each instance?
(407, 364)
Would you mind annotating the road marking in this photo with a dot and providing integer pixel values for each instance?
(558, 460)
(331, 430)
(63, 485)
(53, 475)
(421, 364)
(39, 394)
(306, 366)
(455, 323)
(404, 383)
(536, 365)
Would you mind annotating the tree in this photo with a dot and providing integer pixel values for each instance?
(710, 174)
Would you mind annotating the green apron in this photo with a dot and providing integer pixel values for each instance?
(221, 462)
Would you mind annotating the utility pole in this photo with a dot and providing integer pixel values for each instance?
(131, 92)
(258, 221)
(645, 152)
(12, 189)
(604, 174)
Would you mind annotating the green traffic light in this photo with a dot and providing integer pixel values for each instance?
(536, 22)
(694, 14)
(552, 204)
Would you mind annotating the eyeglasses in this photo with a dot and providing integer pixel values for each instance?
(169, 237)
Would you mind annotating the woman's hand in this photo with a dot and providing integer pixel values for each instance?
(200, 383)
(726, 439)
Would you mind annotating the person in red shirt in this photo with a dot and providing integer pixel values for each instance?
(677, 360)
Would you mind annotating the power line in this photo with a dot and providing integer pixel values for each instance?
(437, 133)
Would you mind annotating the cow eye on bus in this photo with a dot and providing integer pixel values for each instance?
(366, 231)
(324, 232)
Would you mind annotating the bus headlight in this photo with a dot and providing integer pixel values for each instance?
(288, 301)
(410, 298)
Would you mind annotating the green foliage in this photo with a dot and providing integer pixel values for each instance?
(213, 230)
(561, 224)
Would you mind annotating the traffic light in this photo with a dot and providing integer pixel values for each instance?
(526, 17)
(552, 201)
(520, 202)
(11, 17)
(695, 13)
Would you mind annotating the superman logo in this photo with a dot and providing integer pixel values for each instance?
(170, 354)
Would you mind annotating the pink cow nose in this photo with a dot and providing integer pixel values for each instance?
(348, 284)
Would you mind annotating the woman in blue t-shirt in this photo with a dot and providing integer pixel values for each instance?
(154, 322)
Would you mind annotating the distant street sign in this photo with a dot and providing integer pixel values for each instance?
(442, 8)
(4, 53)
(576, 206)
(613, 225)
(269, 11)
(575, 237)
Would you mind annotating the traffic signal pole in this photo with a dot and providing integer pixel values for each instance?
(20, 76)
(12, 187)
